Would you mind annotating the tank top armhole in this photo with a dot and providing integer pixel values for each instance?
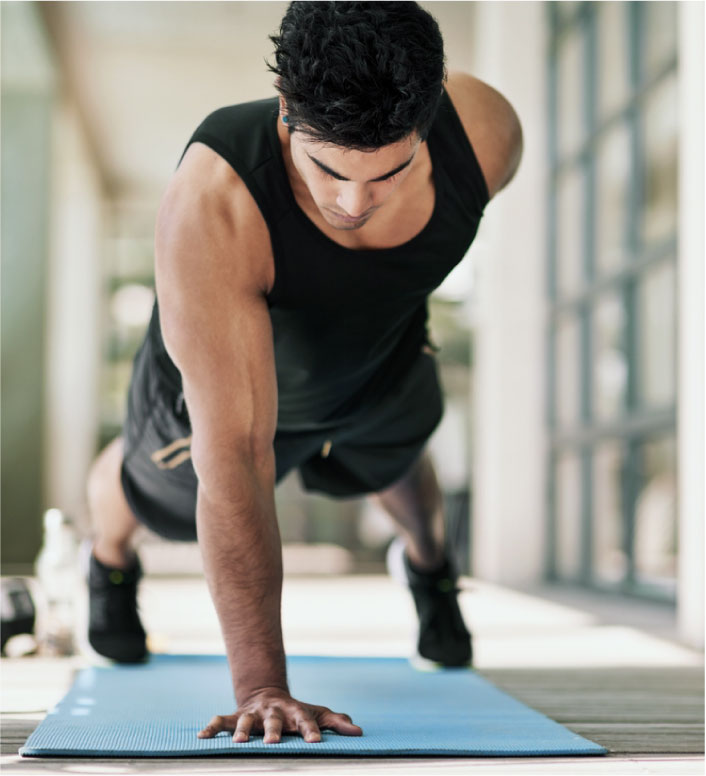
(238, 165)
(455, 126)
(248, 179)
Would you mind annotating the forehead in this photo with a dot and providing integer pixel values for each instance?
(355, 164)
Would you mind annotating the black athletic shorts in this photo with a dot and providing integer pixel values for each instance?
(364, 454)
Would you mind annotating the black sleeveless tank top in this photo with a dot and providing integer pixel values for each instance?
(347, 324)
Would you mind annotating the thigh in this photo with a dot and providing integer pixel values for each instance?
(157, 473)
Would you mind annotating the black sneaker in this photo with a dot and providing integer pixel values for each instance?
(114, 627)
(443, 640)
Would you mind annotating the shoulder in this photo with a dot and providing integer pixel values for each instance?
(207, 203)
(492, 126)
(238, 129)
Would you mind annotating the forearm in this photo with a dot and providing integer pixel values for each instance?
(242, 555)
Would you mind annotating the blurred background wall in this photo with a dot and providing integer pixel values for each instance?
(571, 338)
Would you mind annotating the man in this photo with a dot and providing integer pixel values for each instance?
(296, 246)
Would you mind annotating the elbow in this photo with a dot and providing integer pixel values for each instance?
(509, 157)
(517, 145)
(233, 473)
(513, 145)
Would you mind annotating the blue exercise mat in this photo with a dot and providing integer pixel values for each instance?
(157, 708)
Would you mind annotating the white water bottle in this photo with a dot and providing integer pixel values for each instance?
(57, 571)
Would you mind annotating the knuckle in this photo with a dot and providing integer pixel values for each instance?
(302, 718)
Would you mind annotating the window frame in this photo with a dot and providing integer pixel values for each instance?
(636, 424)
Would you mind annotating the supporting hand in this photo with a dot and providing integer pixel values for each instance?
(272, 711)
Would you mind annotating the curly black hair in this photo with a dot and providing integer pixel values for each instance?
(359, 75)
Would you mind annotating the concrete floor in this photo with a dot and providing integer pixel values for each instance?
(546, 648)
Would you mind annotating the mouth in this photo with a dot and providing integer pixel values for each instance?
(351, 219)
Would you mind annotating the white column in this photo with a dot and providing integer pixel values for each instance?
(692, 389)
(73, 315)
(509, 445)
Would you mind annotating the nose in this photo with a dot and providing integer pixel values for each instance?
(354, 199)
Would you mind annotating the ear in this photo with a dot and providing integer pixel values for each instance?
(282, 106)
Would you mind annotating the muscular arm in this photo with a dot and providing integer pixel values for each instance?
(213, 269)
(492, 127)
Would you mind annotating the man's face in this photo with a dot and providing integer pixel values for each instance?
(349, 186)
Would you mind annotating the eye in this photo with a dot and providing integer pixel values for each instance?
(327, 175)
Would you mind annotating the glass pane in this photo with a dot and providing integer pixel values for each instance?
(609, 559)
(660, 28)
(656, 514)
(570, 210)
(565, 8)
(570, 92)
(660, 127)
(657, 336)
(610, 365)
(568, 514)
(567, 371)
(613, 173)
(613, 58)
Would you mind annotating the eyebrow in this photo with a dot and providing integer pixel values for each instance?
(340, 177)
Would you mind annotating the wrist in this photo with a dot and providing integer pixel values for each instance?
(265, 671)
(278, 691)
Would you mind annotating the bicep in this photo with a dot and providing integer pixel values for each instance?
(217, 330)
(230, 390)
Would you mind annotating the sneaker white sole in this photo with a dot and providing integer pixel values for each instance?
(394, 561)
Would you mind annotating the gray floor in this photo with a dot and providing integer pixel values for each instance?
(632, 689)
(627, 710)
